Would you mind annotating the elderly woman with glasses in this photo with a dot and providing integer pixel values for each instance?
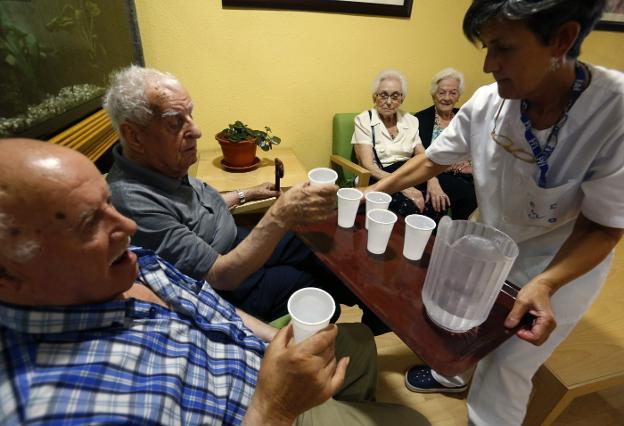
(446, 88)
(386, 137)
(547, 144)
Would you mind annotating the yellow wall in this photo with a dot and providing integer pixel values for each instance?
(293, 70)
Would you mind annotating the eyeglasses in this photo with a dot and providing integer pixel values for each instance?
(394, 96)
(508, 144)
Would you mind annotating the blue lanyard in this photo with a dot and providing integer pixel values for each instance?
(542, 155)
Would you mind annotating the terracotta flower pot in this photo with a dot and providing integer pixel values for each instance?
(237, 154)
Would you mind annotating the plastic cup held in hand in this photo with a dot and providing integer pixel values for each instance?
(348, 203)
(376, 200)
(310, 310)
(380, 224)
(322, 176)
(417, 232)
(469, 264)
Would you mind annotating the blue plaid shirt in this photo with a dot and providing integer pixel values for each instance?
(129, 361)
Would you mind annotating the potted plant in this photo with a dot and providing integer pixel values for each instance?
(238, 143)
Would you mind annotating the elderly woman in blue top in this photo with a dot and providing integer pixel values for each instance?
(547, 144)
(446, 88)
(386, 137)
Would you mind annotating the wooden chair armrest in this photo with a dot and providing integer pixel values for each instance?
(253, 206)
(362, 174)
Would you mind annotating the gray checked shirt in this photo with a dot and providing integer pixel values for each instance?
(184, 220)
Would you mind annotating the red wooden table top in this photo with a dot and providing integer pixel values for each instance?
(391, 287)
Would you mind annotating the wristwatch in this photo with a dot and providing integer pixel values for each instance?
(241, 197)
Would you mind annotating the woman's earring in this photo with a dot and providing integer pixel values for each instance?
(555, 63)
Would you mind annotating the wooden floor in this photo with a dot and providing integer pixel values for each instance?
(599, 409)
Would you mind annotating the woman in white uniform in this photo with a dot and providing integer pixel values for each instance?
(547, 145)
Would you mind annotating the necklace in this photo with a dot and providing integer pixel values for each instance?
(394, 132)
(391, 126)
(437, 119)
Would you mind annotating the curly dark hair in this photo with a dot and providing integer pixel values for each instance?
(543, 23)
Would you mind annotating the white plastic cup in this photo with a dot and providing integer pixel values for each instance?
(310, 310)
(376, 200)
(348, 203)
(380, 224)
(322, 176)
(418, 229)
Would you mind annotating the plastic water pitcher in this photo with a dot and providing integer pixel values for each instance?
(469, 264)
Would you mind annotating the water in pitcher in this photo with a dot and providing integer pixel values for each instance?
(469, 264)
(448, 321)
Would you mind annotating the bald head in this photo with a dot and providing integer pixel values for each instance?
(31, 170)
(27, 167)
(23, 157)
(52, 201)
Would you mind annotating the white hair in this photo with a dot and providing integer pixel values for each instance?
(443, 75)
(126, 98)
(390, 74)
(20, 251)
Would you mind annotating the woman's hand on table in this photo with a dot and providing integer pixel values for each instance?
(533, 298)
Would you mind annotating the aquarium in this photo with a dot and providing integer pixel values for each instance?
(55, 60)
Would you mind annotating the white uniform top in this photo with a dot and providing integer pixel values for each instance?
(585, 175)
(389, 150)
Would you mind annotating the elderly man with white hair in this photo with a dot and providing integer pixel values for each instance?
(188, 222)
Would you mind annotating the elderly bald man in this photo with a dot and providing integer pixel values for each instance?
(94, 332)
(188, 222)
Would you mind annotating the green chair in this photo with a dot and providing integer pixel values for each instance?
(281, 321)
(342, 151)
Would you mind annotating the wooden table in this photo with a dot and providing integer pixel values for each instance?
(209, 169)
(391, 287)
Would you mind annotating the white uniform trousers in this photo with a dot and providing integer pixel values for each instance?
(502, 381)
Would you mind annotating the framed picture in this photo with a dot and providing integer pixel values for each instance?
(367, 7)
(613, 18)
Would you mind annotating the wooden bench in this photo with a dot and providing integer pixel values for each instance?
(590, 359)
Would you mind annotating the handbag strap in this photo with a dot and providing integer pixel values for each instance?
(370, 118)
